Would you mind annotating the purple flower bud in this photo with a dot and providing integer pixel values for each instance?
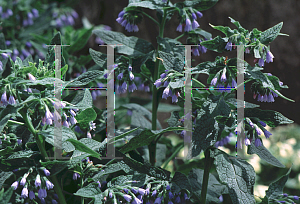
(127, 197)
(35, 12)
(99, 184)
(131, 76)
(163, 75)
(23, 181)
(179, 28)
(70, 20)
(221, 198)
(12, 100)
(54, 201)
(158, 200)
(4, 55)
(31, 195)
(170, 195)
(49, 185)
(174, 98)
(202, 49)
(157, 83)
(267, 133)
(247, 142)
(214, 81)
(19, 141)
(88, 135)
(296, 197)
(37, 181)
(120, 76)
(24, 193)
(223, 77)
(74, 14)
(133, 190)
(46, 172)
(195, 24)
(1, 66)
(7, 42)
(15, 185)
(75, 176)
(168, 188)
(73, 120)
(166, 83)
(229, 46)
(132, 87)
(124, 23)
(195, 52)
(72, 112)
(269, 57)
(194, 16)
(247, 50)
(199, 14)
(135, 28)
(147, 89)
(261, 62)
(4, 98)
(43, 201)
(29, 15)
(42, 193)
(31, 77)
(154, 193)
(142, 191)
(188, 24)
(119, 20)
(257, 142)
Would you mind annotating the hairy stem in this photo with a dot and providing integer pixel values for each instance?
(155, 100)
(40, 142)
(208, 164)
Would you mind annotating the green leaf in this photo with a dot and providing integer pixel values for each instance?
(237, 174)
(226, 30)
(200, 5)
(80, 42)
(86, 116)
(207, 129)
(144, 138)
(238, 25)
(125, 134)
(8, 112)
(83, 148)
(178, 83)
(55, 166)
(82, 100)
(64, 70)
(179, 182)
(217, 44)
(6, 151)
(132, 46)
(4, 199)
(46, 81)
(204, 33)
(240, 104)
(276, 188)
(269, 35)
(89, 191)
(145, 168)
(85, 78)
(127, 180)
(173, 121)
(67, 133)
(99, 58)
(153, 5)
(4, 176)
(50, 57)
(214, 188)
(112, 168)
(264, 154)
(271, 118)
(163, 107)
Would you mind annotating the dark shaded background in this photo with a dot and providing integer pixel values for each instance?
(260, 14)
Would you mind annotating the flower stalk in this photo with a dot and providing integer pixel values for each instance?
(208, 164)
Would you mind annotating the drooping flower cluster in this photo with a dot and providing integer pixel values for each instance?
(40, 187)
(224, 140)
(4, 102)
(163, 82)
(189, 21)
(263, 94)
(25, 51)
(28, 20)
(223, 81)
(129, 20)
(199, 48)
(65, 19)
(269, 58)
(6, 14)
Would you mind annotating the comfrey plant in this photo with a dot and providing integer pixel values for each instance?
(91, 168)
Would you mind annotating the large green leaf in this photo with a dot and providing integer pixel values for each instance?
(238, 175)
(226, 30)
(7, 113)
(132, 46)
(269, 35)
(112, 168)
(270, 117)
(276, 188)
(99, 58)
(144, 138)
(200, 5)
(264, 154)
(217, 44)
(82, 100)
(179, 182)
(80, 42)
(214, 188)
(5, 197)
(4, 176)
(153, 4)
(67, 133)
(83, 148)
(85, 78)
(89, 191)
(207, 129)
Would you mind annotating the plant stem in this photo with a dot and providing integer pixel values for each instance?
(82, 198)
(155, 100)
(208, 164)
(180, 36)
(155, 21)
(40, 142)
